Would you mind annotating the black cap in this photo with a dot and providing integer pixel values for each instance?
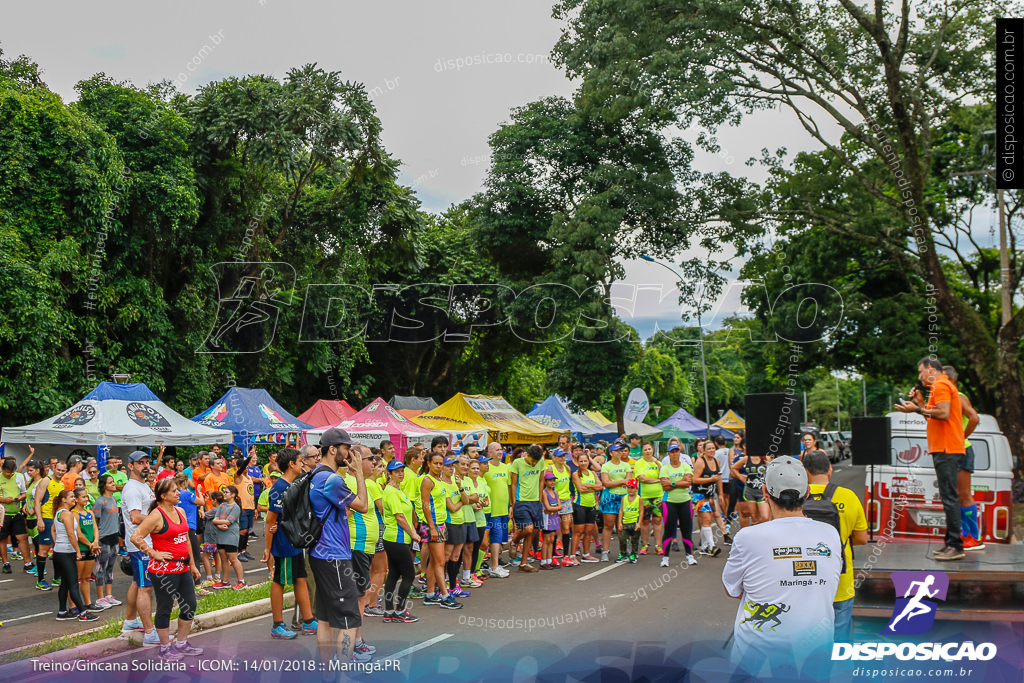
(336, 437)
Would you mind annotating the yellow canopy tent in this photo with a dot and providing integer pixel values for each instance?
(596, 416)
(731, 421)
(464, 414)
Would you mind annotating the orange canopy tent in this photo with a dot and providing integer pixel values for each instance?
(324, 412)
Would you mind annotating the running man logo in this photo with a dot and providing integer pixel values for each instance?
(764, 614)
(914, 613)
(250, 296)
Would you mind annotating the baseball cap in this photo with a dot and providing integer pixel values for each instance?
(634, 435)
(449, 461)
(786, 478)
(74, 460)
(135, 456)
(673, 447)
(549, 475)
(394, 465)
(619, 446)
(558, 453)
(275, 474)
(484, 458)
(336, 437)
(632, 484)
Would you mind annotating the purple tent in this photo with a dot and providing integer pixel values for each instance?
(682, 421)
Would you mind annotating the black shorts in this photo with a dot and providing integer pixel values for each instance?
(288, 569)
(227, 548)
(13, 526)
(456, 533)
(87, 557)
(193, 540)
(583, 515)
(337, 601)
(472, 536)
(360, 571)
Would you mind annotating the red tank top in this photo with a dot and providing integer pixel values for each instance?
(172, 539)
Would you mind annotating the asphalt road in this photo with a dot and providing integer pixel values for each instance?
(550, 624)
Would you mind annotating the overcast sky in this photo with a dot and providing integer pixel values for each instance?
(436, 114)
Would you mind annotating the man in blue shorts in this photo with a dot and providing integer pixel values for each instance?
(136, 497)
(528, 513)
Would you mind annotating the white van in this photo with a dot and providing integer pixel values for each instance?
(906, 500)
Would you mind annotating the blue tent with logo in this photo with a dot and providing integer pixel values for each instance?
(253, 416)
(554, 413)
(682, 421)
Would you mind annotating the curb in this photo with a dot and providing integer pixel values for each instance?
(130, 641)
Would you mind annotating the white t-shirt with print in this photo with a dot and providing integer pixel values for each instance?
(786, 573)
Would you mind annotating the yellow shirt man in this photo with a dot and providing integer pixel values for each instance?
(851, 519)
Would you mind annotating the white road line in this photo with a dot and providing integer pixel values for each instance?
(618, 595)
(601, 571)
(28, 616)
(6, 580)
(253, 571)
(424, 644)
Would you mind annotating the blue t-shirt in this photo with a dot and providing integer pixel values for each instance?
(281, 547)
(330, 497)
(188, 473)
(187, 502)
(256, 473)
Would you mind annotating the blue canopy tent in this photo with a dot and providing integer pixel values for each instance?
(253, 416)
(553, 412)
(682, 421)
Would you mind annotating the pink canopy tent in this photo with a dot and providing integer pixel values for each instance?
(324, 413)
(377, 422)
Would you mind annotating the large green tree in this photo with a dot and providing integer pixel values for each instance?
(889, 78)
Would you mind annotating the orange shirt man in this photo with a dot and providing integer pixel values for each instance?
(216, 480)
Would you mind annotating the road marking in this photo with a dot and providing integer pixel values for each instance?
(601, 571)
(253, 571)
(6, 580)
(28, 616)
(424, 644)
(618, 595)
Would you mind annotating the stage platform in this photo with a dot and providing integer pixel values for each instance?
(986, 585)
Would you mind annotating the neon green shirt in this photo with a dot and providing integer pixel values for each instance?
(459, 516)
(674, 474)
(631, 510)
(528, 482)
(648, 468)
(587, 499)
(562, 481)
(497, 478)
(396, 503)
(617, 472)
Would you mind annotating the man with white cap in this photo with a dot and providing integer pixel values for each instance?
(785, 573)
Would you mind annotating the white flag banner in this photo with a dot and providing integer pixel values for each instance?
(637, 405)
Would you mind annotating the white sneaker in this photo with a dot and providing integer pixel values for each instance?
(690, 560)
(604, 556)
(664, 562)
(112, 601)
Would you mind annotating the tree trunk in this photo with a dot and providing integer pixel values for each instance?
(620, 409)
(1010, 408)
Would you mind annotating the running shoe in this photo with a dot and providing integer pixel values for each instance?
(598, 547)
(658, 550)
(43, 586)
(471, 583)
(664, 562)
(280, 631)
(690, 560)
(460, 592)
(122, 552)
(360, 657)
(970, 543)
(151, 638)
(527, 568)
(715, 551)
(56, 581)
(66, 615)
(499, 573)
(513, 562)
(546, 567)
(643, 551)
(87, 616)
(16, 555)
(415, 593)
(373, 611)
(675, 546)
(479, 578)
(112, 601)
(734, 517)
(364, 647)
(309, 628)
(604, 556)
(7, 568)
(239, 586)
(449, 603)
(95, 607)
(202, 592)
(622, 558)
(220, 585)
(132, 625)
(434, 599)
(209, 583)
(30, 568)
(555, 564)
(589, 558)
(403, 617)
(169, 653)
(188, 649)
(728, 539)
(242, 557)
(632, 559)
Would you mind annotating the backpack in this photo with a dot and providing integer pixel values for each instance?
(299, 524)
(819, 507)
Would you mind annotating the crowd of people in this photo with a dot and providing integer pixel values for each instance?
(432, 525)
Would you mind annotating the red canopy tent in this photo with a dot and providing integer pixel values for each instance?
(324, 413)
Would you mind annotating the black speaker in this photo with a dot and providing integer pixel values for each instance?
(773, 424)
(871, 441)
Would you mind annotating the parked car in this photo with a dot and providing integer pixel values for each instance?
(831, 443)
(847, 438)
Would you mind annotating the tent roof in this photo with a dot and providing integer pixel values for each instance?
(412, 403)
(554, 413)
(597, 417)
(730, 421)
(641, 429)
(376, 421)
(467, 413)
(118, 415)
(410, 414)
(248, 413)
(325, 412)
(686, 422)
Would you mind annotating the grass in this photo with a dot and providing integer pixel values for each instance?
(211, 603)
